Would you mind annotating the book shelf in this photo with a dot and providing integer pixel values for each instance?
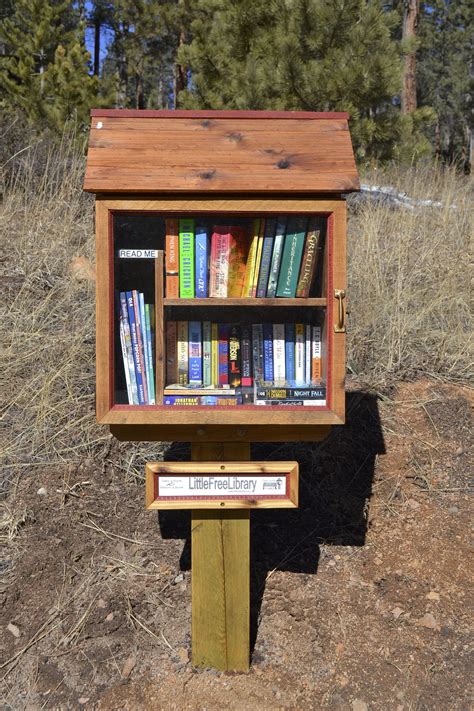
(134, 203)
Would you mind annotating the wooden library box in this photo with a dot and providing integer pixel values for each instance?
(221, 272)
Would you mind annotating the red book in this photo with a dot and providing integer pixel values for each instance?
(219, 264)
(172, 258)
(238, 253)
(171, 353)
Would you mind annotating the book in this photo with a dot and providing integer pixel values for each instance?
(235, 375)
(258, 257)
(268, 352)
(201, 250)
(238, 255)
(133, 396)
(291, 258)
(310, 257)
(291, 403)
(151, 388)
(171, 352)
(290, 351)
(141, 352)
(172, 258)
(206, 353)
(214, 354)
(125, 362)
(251, 259)
(276, 257)
(186, 259)
(183, 352)
(257, 352)
(307, 355)
(246, 351)
(177, 389)
(284, 393)
(267, 251)
(219, 264)
(136, 351)
(299, 353)
(279, 375)
(316, 355)
(143, 334)
(206, 400)
(195, 353)
(223, 359)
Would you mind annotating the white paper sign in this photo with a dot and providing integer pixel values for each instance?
(221, 486)
(138, 253)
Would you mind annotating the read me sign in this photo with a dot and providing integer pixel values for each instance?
(230, 485)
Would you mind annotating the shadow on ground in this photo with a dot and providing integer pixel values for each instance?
(336, 478)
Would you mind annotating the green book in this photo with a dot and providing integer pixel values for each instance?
(291, 259)
(186, 259)
(206, 353)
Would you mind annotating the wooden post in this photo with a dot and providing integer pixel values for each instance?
(220, 569)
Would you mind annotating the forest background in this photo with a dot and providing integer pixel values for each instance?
(403, 69)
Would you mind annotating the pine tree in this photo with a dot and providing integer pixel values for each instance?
(46, 52)
(299, 54)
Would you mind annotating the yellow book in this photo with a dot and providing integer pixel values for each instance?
(250, 267)
(214, 354)
(258, 258)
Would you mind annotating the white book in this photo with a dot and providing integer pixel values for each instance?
(299, 354)
(279, 353)
(307, 354)
(316, 355)
(125, 364)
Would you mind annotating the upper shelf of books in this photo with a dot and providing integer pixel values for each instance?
(219, 152)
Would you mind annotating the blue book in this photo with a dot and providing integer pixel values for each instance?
(268, 352)
(290, 334)
(128, 360)
(195, 353)
(135, 347)
(223, 351)
(201, 255)
(265, 264)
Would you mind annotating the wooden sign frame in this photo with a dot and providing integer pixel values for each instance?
(237, 469)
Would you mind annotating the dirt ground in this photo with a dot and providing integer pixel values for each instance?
(360, 598)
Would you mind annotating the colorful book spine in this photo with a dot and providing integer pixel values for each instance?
(279, 371)
(257, 352)
(238, 255)
(206, 400)
(258, 258)
(267, 251)
(141, 347)
(183, 352)
(247, 380)
(291, 259)
(206, 353)
(290, 351)
(143, 334)
(219, 265)
(214, 354)
(290, 403)
(172, 258)
(129, 348)
(201, 262)
(299, 353)
(125, 363)
(281, 393)
(316, 355)
(235, 375)
(151, 388)
(186, 259)
(268, 352)
(251, 259)
(171, 352)
(310, 258)
(195, 353)
(136, 349)
(223, 354)
(307, 355)
(276, 257)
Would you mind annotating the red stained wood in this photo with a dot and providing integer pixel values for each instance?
(221, 151)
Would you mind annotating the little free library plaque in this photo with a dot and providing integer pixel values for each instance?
(231, 485)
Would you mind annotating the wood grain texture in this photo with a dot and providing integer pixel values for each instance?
(217, 433)
(339, 281)
(220, 154)
(217, 113)
(159, 329)
(246, 302)
(220, 568)
(104, 293)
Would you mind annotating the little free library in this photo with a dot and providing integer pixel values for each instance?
(221, 272)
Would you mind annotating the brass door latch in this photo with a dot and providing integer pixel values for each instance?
(340, 326)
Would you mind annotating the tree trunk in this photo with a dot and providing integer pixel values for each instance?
(181, 72)
(97, 29)
(410, 25)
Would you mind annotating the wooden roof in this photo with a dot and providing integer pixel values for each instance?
(219, 151)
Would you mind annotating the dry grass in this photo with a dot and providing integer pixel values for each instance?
(408, 290)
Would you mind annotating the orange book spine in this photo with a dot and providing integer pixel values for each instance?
(172, 258)
(238, 254)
